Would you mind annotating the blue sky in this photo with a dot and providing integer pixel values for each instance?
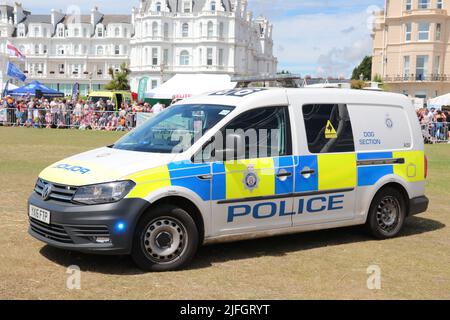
(311, 37)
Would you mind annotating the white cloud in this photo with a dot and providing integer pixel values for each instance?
(322, 44)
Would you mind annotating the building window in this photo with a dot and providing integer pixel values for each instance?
(146, 30)
(209, 57)
(36, 32)
(76, 32)
(210, 29)
(100, 32)
(154, 84)
(158, 7)
(146, 56)
(424, 31)
(61, 31)
(213, 6)
(421, 67)
(166, 30)
(61, 50)
(155, 56)
(77, 49)
(100, 51)
(408, 5)
(22, 31)
(166, 57)
(437, 66)
(220, 57)
(424, 4)
(187, 6)
(406, 66)
(117, 50)
(408, 32)
(184, 58)
(221, 29)
(117, 32)
(154, 30)
(439, 4)
(438, 32)
(36, 49)
(185, 30)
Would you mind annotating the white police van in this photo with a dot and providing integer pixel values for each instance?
(299, 160)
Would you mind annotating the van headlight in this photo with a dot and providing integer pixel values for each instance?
(103, 193)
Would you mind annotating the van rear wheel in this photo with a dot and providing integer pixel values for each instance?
(387, 214)
(165, 239)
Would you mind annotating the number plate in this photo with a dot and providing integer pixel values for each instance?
(39, 214)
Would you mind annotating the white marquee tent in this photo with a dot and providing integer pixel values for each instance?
(183, 86)
(438, 102)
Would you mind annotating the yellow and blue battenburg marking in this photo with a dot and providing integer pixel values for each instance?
(226, 181)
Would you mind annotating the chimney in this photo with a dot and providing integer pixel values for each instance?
(57, 16)
(19, 15)
(96, 16)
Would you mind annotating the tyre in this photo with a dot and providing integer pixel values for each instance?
(387, 214)
(165, 239)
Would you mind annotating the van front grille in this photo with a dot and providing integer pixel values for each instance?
(59, 192)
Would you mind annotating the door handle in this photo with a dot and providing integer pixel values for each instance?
(205, 177)
(284, 174)
(308, 172)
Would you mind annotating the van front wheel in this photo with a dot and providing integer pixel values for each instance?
(166, 239)
(387, 214)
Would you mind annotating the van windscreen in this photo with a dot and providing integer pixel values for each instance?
(174, 130)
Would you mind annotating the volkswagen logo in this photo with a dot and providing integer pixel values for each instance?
(46, 192)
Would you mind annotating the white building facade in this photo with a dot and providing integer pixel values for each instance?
(159, 39)
(63, 49)
(200, 36)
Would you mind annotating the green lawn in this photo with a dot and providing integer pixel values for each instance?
(320, 265)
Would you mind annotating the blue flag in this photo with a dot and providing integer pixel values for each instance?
(15, 72)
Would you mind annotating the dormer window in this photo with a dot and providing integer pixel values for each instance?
(61, 31)
(213, 6)
(21, 31)
(158, 7)
(187, 6)
(100, 31)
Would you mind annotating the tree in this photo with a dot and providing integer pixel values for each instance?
(119, 78)
(364, 68)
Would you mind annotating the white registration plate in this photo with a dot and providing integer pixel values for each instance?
(39, 214)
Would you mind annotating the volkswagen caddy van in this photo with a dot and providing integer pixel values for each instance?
(234, 165)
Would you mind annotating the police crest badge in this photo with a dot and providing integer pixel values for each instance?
(251, 179)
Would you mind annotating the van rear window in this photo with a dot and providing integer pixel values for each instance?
(328, 128)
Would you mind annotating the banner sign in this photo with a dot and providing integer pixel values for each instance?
(75, 91)
(142, 88)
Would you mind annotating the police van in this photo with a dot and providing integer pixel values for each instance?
(238, 164)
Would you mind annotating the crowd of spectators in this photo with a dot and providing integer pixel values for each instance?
(435, 124)
(65, 114)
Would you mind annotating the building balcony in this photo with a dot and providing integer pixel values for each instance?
(425, 12)
(67, 76)
(417, 78)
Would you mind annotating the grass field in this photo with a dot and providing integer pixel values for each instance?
(320, 265)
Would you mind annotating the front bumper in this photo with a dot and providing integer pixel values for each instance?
(418, 205)
(77, 227)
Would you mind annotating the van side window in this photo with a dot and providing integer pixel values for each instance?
(265, 133)
(328, 128)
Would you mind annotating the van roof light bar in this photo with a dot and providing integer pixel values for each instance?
(284, 81)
